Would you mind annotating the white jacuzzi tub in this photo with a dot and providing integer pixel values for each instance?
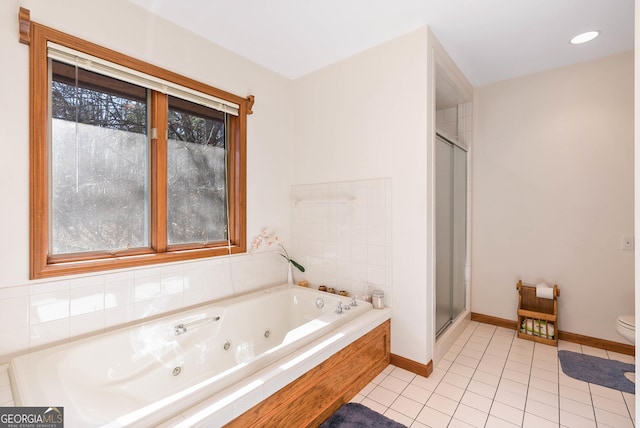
(153, 371)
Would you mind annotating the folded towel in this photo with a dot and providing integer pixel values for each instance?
(538, 328)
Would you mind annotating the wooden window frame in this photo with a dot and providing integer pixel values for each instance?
(43, 264)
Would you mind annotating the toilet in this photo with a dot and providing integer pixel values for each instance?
(626, 326)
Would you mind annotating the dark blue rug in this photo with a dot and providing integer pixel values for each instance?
(601, 371)
(355, 415)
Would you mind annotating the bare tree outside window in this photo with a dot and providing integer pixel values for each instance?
(99, 163)
(197, 176)
(100, 166)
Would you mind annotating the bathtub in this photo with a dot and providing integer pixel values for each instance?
(220, 354)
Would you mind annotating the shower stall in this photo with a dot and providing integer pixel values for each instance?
(451, 230)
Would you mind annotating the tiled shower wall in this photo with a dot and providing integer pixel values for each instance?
(38, 314)
(465, 123)
(456, 122)
(341, 233)
(447, 121)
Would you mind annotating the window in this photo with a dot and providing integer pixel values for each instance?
(196, 174)
(130, 164)
(98, 162)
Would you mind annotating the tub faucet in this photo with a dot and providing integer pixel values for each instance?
(353, 301)
(339, 308)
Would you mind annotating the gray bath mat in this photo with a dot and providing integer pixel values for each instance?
(609, 373)
(355, 415)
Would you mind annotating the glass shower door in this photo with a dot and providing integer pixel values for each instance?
(451, 225)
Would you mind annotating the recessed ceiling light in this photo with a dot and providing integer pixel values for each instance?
(585, 37)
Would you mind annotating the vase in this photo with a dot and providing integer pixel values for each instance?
(289, 275)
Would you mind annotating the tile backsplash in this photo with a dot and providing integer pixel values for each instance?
(38, 314)
(341, 233)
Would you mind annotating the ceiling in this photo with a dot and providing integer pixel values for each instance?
(490, 40)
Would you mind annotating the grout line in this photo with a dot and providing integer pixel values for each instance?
(593, 405)
(484, 352)
(558, 370)
(440, 381)
(474, 370)
(493, 400)
(465, 341)
(526, 397)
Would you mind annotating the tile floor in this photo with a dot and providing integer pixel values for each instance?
(490, 378)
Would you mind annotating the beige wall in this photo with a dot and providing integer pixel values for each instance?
(553, 192)
(552, 176)
(366, 117)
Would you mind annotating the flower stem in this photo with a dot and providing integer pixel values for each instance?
(286, 256)
(290, 260)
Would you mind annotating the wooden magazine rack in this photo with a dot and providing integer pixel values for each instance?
(537, 317)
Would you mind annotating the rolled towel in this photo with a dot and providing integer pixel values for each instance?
(538, 328)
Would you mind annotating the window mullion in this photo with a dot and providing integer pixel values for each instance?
(159, 114)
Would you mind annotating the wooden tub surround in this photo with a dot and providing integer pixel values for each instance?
(312, 398)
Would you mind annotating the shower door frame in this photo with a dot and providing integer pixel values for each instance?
(457, 298)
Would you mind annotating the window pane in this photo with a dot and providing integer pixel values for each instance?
(197, 181)
(99, 163)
